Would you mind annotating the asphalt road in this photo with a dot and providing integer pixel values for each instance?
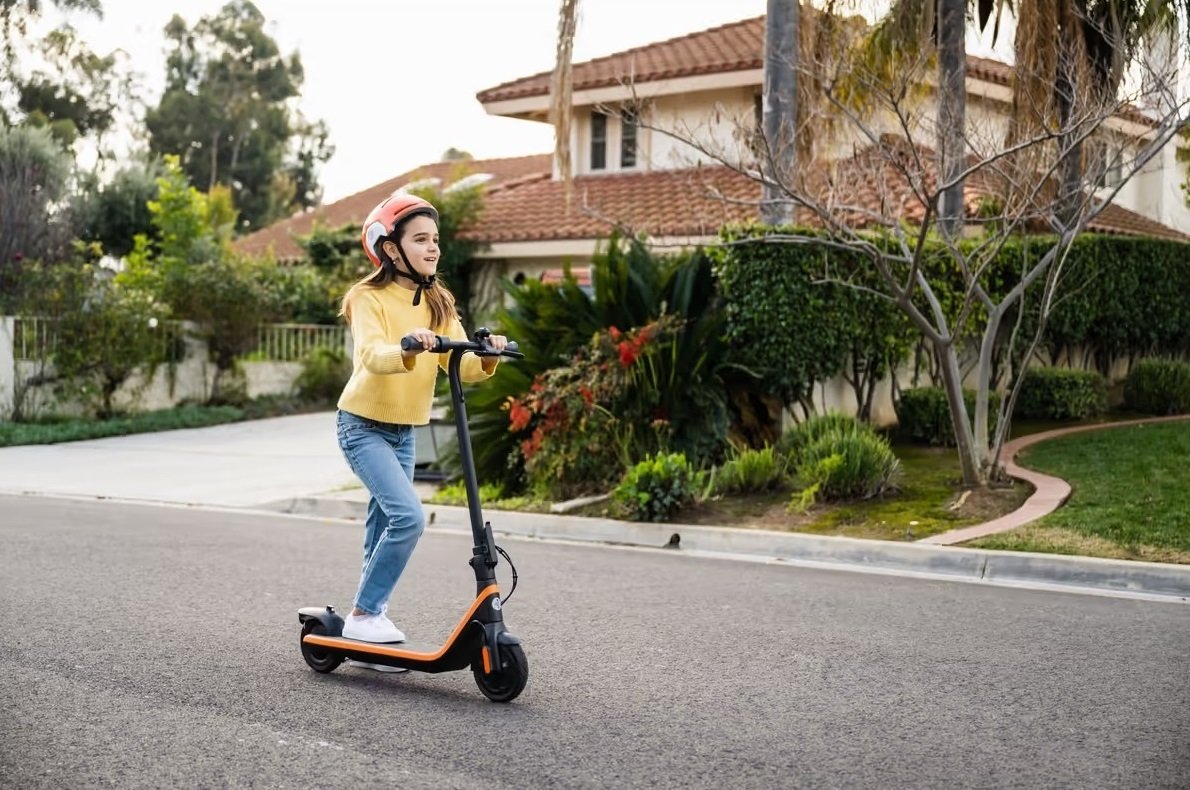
(157, 647)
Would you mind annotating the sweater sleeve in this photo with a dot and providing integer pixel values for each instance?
(471, 367)
(367, 332)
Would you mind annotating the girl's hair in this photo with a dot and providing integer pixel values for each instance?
(437, 296)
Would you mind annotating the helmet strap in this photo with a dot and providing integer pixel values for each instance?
(422, 282)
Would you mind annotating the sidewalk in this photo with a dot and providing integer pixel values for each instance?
(293, 465)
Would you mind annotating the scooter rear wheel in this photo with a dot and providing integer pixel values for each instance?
(506, 683)
(319, 658)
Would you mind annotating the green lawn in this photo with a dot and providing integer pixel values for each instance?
(1130, 498)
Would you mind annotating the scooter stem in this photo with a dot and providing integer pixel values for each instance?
(484, 557)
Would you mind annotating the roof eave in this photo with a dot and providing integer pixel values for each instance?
(536, 106)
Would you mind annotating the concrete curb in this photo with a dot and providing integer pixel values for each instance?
(1160, 580)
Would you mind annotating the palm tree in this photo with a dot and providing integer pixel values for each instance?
(779, 117)
(561, 90)
(1070, 55)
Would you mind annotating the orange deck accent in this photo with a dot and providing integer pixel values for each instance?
(397, 652)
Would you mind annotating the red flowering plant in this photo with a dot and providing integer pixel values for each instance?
(582, 425)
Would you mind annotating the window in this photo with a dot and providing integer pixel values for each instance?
(1109, 165)
(628, 126)
(598, 141)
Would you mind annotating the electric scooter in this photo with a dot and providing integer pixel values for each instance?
(479, 639)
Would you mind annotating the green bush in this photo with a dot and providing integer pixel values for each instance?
(324, 373)
(923, 415)
(73, 430)
(456, 493)
(795, 440)
(657, 487)
(748, 470)
(1158, 386)
(846, 464)
(1129, 302)
(1061, 394)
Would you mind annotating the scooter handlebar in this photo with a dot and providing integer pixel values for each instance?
(444, 344)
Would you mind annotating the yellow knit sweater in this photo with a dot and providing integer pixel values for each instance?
(384, 386)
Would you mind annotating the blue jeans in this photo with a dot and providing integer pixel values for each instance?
(381, 455)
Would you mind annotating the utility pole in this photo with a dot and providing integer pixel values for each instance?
(779, 117)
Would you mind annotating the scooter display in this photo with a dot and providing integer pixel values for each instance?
(479, 640)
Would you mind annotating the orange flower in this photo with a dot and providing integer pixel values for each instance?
(518, 416)
(628, 352)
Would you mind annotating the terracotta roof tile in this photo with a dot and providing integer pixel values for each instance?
(737, 46)
(731, 47)
(658, 203)
(280, 236)
(693, 203)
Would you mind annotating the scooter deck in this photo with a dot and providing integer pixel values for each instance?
(455, 654)
(411, 650)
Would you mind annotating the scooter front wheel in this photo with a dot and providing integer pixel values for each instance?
(319, 658)
(509, 680)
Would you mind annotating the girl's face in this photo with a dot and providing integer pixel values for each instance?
(419, 240)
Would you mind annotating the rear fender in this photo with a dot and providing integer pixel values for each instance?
(332, 623)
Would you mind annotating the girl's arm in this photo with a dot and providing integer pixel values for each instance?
(471, 367)
(367, 332)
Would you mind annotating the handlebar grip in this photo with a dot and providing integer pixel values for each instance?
(512, 346)
(411, 343)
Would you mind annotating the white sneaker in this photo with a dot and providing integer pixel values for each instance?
(371, 628)
(351, 662)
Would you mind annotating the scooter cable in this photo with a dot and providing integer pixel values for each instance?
(510, 565)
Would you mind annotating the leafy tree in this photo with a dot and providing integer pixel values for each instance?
(116, 332)
(188, 264)
(78, 93)
(102, 332)
(113, 214)
(33, 177)
(15, 16)
(228, 112)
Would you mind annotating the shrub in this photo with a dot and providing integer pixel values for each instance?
(456, 493)
(1061, 394)
(1158, 386)
(923, 415)
(847, 464)
(795, 440)
(324, 372)
(657, 487)
(750, 470)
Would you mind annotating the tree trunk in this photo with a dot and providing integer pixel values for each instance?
(987, 351)
(779, 117)
(561, 91)
(952, 112)
(953, 381)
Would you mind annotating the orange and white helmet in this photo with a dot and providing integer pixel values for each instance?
(383, 220)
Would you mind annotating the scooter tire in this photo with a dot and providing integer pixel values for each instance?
(319, 658)
(509, 681)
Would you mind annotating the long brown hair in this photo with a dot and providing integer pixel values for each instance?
(437, 296)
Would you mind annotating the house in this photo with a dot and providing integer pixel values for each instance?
(650, 182)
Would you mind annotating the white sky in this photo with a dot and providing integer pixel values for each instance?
(395, 80)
